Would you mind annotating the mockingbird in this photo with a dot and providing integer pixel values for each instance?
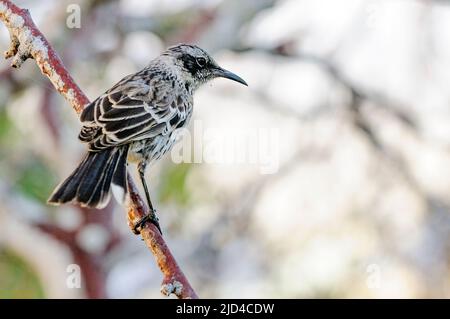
(135, 121)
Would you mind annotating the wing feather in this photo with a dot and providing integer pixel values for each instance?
(138, 107)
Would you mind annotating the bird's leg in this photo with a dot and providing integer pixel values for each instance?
(151, 216)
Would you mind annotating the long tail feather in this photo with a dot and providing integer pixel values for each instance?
(90, 183)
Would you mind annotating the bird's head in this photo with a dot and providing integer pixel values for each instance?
(197, 66)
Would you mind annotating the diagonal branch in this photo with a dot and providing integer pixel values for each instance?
(28, 42)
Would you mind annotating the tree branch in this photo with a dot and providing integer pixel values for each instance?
(174, 280)
(28, 42)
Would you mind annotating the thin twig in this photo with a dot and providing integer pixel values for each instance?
(28, 42)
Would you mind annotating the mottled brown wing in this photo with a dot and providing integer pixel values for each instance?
(136, 108)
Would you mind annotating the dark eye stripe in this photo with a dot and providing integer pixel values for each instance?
(190, 63)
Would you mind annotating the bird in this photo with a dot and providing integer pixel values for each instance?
(136, 121)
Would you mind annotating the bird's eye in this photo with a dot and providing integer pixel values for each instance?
(201, 62)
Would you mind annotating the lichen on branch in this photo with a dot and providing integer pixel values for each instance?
(28, 42)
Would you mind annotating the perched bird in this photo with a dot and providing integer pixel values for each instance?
(135, 121)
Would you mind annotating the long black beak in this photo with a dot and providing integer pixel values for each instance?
(230, 75)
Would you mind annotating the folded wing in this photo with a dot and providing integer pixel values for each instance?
(139, 107)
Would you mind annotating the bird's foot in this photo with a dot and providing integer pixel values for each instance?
(152, 218)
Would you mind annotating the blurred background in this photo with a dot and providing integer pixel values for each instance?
(358, 205)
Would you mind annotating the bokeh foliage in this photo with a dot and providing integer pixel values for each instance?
(17, 279)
